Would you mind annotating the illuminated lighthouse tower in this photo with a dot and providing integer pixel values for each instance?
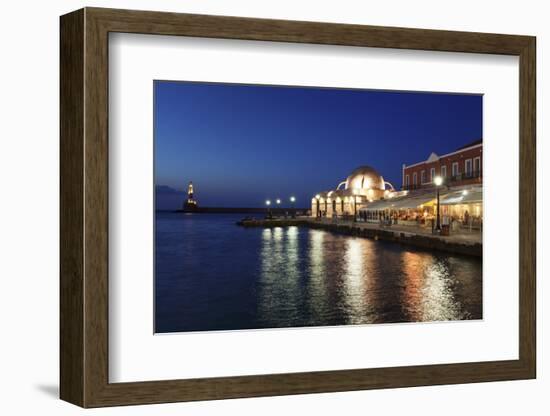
(190, 204)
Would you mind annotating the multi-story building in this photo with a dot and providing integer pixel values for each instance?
(460, 167)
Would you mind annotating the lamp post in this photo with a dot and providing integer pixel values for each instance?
(292, 200)
(268, 204)
(438, 180)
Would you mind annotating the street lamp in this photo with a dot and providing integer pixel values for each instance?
(278, 202)
(438, 181)
(292, 200)
(268, 203)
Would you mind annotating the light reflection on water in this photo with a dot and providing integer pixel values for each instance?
(280, 277)
(356, 281)
(428, 289)
(287, 277)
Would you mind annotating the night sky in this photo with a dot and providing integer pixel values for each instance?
(243, 144)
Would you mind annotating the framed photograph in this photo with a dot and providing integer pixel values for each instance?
(257, 207)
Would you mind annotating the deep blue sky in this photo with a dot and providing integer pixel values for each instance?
(243, 144)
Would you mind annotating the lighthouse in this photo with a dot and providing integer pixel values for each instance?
(190, 204)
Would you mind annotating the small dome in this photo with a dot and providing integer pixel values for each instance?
(365, 177)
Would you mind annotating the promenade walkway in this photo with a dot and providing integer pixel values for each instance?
(461, 237)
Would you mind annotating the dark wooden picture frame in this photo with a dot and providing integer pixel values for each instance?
(84, 207)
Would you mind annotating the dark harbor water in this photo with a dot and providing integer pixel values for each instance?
(213, 275)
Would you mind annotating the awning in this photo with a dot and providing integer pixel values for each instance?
(413, 203)
(398, 203)
(457, 198)
(379, 205)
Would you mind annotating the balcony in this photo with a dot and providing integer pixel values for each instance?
(464, 176)
(448, 181)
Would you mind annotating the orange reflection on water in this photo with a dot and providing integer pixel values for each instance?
(413, 267)
(428, 294)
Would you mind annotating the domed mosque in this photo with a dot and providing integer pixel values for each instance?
(362, 186)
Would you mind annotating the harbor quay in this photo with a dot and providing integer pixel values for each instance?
(465, 243)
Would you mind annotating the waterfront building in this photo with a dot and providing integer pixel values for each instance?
(190, 204)
(460, 167)
(362, 186)
(366, 196)
(461, 192)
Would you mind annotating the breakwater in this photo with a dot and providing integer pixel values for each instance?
(374, 231)
(237, 210)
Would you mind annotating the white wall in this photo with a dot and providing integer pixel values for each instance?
(29, 208)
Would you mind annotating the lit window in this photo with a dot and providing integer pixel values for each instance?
(468, 167)
(455, 169)
(477, 166)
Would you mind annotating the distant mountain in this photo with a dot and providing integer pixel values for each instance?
(164, 189)
(167, 198)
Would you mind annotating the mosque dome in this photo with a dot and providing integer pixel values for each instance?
(364, 178)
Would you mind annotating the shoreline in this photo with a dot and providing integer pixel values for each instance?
(457, 244)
